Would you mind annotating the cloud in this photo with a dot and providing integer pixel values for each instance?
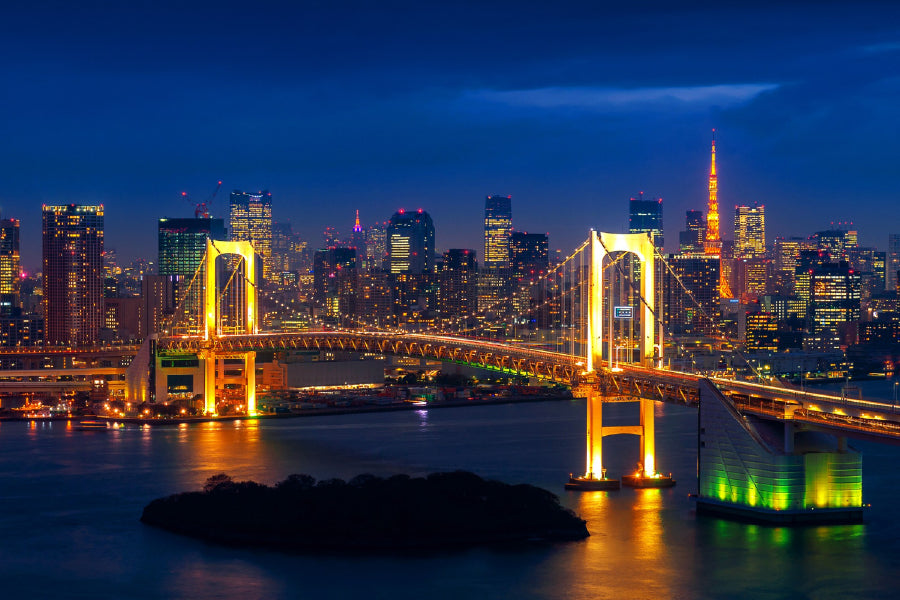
(609, 99)
(881, 48)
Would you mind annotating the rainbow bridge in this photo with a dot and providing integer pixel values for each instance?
(766, 451)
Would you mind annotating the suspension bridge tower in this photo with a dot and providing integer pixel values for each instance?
(597, 388)
(212, 360)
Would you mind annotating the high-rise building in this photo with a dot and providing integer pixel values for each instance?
(529, 257)
(787, 255)
(646, 216)
(9, 256)
(840, 244)
(495, 274)
(834, 305)
(376, 246)
(458, 284)
(892, 268)
(182, 247)
(73, 274)
(182, 243)
(691, 239)
(693, 313)
(335, 276)
(410, 242)
(358, 241)
(749, 231)
(250, 220)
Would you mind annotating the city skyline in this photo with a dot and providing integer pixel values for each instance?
(333, 112)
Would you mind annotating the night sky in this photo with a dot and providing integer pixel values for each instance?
(571, 108)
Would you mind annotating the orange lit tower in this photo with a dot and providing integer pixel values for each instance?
(713, 243)
(712, 246)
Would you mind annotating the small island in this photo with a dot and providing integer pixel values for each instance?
(453, 509)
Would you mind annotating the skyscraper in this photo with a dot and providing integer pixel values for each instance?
(250, 220)
(495, 274)
(459, 284)
(410, 242)
(9, 256)
(529, 259)
(181, 247)
(893, 262)
(691, 239)
(73, 274)
(749, 231)
(646, 216)
(182, 243)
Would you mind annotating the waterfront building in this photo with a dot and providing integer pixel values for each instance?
(250, 220)
(72, 274)
(529, 257)
(646, 216)
(495, 274)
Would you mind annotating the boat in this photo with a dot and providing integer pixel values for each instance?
(91, 425)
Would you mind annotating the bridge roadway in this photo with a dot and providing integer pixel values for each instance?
(821, 410)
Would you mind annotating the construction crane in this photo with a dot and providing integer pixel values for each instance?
(201, 209)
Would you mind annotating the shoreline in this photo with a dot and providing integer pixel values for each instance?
(312, 412)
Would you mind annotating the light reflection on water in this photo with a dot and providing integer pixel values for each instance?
(70, 502)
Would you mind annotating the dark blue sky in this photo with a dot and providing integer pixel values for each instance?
(570, 107)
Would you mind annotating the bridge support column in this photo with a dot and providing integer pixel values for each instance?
(250, 379)
(209, 383)
(646, 475)
(594, 477)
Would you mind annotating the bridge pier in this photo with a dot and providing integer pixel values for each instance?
(594, 463)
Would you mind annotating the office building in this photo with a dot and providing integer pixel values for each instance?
(749, 231)
(646, 216)
(9, 256)
(458, 294)
(73, 274)
(250, 219)
(690, 241)
(892, 267)
(691, 313)
(410, 243)
(495, 274)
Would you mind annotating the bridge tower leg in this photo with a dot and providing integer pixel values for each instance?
(250, 381)
(209, 382)
(594, 477)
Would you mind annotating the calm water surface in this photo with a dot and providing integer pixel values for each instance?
(70, 503)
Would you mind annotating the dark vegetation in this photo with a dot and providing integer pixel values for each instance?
(366, 513)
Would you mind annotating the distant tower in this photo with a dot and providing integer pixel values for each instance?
(358, 241)
(713, 245)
